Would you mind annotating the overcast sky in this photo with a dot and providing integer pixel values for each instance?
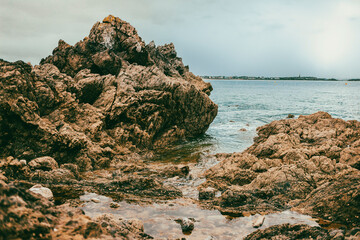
(214, 37)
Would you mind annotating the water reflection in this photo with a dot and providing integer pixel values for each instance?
(160, 219)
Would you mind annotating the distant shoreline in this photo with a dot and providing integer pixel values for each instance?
(276, 78)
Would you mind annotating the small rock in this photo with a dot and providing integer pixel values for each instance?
(187, 224)
(337, 234)
(59, 175)
(114, 205)
(43, 163)
(14, 162)
(138, 47)
(258, 222)
(290, 116)
(207, 193)
(95, 200)
(73, 168)
(210, 238)
(17, 201)
(23, 162)
(242, 130)
(151, 44)
(3, 178)
(43, 191)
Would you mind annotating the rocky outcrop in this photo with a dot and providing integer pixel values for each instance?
(113, 45)
(309, 164)
(107, 97)
(133, 180)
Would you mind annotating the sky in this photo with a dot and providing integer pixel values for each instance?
(214, 37)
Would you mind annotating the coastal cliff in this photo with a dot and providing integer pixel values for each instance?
(108, 101)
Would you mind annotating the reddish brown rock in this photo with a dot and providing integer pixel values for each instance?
(43, 163)
(104, 98)
(309, 164)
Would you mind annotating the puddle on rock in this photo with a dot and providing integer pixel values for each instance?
(188, 185)
(159, 219)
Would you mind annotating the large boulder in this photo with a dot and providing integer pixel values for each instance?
(108, 95)
(310, 164)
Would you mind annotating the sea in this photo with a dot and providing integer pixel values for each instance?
(245, 105)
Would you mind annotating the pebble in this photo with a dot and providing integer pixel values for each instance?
(23, 162)
(290, 116)
(187, 224)
(258, 222)
(43, 191)
(337, 234)
(114, 205)
(207, 193)
(95, 200)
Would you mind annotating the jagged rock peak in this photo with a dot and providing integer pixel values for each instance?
(112, 46)
(114, 33)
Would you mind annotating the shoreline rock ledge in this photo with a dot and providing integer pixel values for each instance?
(107, 97)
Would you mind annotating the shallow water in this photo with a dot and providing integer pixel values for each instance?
(159, 219)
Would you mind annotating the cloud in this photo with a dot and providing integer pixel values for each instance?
(264, 38)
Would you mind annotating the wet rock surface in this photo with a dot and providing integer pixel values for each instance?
(43, 191)
(26, 215)
(187, 224)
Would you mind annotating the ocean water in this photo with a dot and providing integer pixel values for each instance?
(246, 104)
(242, 105)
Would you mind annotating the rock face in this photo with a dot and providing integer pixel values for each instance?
(258, 222)
(310, 164)
(100, 99)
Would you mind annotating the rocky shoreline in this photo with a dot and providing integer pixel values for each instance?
(309, 164)
(89, 118)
